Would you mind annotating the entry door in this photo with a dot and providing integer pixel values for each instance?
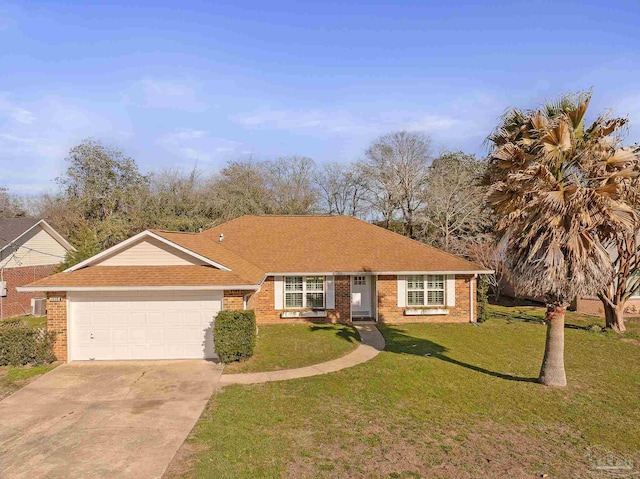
(361, 296)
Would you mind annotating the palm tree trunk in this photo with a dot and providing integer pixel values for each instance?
(614, 317)
(552, 371)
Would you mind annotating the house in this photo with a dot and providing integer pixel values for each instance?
(155, 295)
(30, 249)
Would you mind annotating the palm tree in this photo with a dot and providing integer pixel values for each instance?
(554, 185)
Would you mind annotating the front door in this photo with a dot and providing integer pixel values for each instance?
(361, 296)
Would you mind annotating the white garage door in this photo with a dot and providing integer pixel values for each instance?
(143, 325)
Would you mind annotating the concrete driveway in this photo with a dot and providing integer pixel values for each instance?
(106, 419)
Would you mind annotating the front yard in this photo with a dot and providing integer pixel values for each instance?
(442, 401)
(286, 346)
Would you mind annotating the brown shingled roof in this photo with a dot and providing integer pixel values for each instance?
(109, 276)
(329, 244)
(215, 251)
(256, 245)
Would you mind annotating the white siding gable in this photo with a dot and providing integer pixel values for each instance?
(36, 248)
(149, 252)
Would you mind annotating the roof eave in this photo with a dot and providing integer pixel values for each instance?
(44, 289)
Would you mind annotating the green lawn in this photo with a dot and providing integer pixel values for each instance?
(284, 346)
(443, 401)
(13, 378)
(31, 321)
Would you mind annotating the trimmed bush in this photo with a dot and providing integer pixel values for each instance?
(234, 335)
(21, 345)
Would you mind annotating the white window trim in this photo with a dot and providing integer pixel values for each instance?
(425, 290)
(304, 291)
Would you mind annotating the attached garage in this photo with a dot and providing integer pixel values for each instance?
(142, 324)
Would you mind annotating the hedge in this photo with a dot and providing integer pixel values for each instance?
(20, 345)
(234, 335)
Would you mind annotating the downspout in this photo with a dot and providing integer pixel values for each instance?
(472, 309)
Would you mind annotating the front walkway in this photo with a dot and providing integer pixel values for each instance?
(372, 344)
(121, 419)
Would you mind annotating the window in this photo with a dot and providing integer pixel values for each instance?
(415, 290)
(435, 290)
(430, 288)
(304, 292)
(359, 280)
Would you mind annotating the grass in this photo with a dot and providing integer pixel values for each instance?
(284, 346)
(442, 401)
(31, 321)
(535, 313)
(13, 378)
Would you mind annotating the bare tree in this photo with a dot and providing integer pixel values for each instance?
(624, 248)
(486, 253)
(395, 167)
(342, 188)
(454, 213)
(290, 181)
(241, 188)
(10, 205)
(178, 200)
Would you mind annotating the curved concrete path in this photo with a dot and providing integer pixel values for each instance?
(372, 344)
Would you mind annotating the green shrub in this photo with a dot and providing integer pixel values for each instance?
(234, 335)
(20, 345)
(483, 299)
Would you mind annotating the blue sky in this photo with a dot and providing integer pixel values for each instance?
(175, 83)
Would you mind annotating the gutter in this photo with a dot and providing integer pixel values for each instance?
(29, 289)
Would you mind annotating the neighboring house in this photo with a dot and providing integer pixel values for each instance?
(30, 249)
(155, 295)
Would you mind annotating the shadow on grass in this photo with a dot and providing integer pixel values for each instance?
(347, 333)
(523, 317)
(397, 341)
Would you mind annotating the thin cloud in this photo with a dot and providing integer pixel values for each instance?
(197, 145)
(32, 152)
(14, 112)
(341, 122)
(166, 94)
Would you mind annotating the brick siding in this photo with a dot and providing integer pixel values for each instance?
(263, 303)
(18, 304)
(389, 312)
(57, 322)
(234, 299)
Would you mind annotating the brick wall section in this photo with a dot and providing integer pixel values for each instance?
(234, 299)
(57, 322)
(262, 302)
(389, 312)
(593, 306)
(18, 304)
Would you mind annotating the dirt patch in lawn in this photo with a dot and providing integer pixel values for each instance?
(486, 450)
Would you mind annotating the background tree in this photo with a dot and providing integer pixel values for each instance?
(241, 188)
(395, 168)
(455, 213)
(625, 251)
(100, 198)
(101, 181)
(178, 200)
(11, 206)
(554, 187)
(342, 189)
(291, 185)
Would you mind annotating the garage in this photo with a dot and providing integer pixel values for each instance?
(142, 324)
